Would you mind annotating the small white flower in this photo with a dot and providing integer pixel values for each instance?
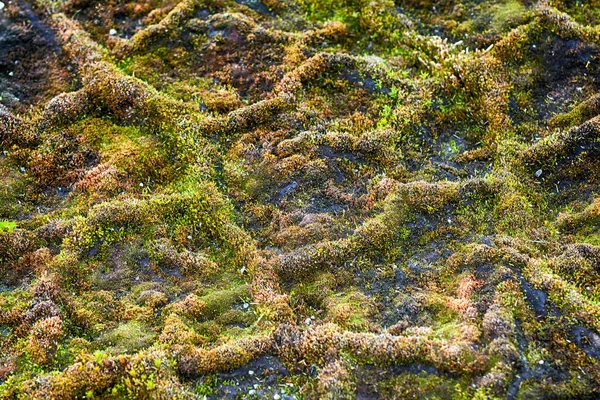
(250, 372)
(307, 321)
(2, 5)
(112, 32)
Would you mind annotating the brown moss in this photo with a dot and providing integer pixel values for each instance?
(14, 131)
(570, 222)
(176, 332)
(228, 356)
(334, 382)
(191, 264)
(550, 150)
(44, 338)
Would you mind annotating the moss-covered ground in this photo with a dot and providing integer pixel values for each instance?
(293, 199)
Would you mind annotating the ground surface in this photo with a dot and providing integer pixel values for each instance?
(299, 199)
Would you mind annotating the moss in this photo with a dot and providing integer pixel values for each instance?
(7, 226)
(43, 339)
(225, 357)
(378, 20)
(352, 311)
(212, 304)
(570, 222)
(128, 337)
(193, 264)
(393, 198)
(423, 384)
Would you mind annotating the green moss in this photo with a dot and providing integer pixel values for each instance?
(128, 337)
(351, 311)
(357, 14)
(508, 14)
(7, 226)
(218, 302)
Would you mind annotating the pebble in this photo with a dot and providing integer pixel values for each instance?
(246, 305)
(250, 372)
(538, 173)
(112, 32)
(307, 321)
(276, 397)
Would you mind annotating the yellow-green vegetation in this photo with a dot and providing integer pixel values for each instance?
(7, 226)
(297, 199)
